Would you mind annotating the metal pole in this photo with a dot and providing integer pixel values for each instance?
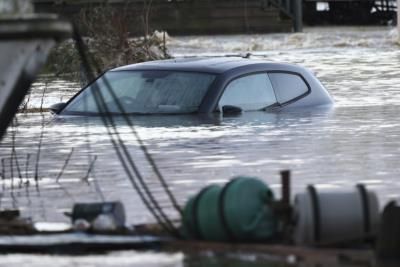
(298, 15)
(398, 19)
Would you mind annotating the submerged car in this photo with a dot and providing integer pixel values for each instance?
(198, 85)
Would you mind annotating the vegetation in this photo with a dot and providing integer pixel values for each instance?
(107, 37)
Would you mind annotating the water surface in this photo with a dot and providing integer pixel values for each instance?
(357, 141)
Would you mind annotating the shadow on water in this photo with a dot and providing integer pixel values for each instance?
(204, 120)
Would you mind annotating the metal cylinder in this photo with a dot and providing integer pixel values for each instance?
(388, 245)
(327, 217)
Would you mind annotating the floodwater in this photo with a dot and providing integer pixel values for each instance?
(355, 142)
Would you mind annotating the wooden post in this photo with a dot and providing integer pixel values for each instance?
(283, 209)
(298, 15)
(285, 180)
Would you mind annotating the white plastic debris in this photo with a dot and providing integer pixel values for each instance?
(104, 222)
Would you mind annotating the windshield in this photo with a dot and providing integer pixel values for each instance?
(144, 92)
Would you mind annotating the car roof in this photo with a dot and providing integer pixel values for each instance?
(210, 65)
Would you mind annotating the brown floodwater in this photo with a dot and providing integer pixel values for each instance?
(356, 141)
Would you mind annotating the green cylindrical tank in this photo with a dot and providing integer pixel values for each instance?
(246, 211)
(188, 223)
(207, 215)
(201, 218)
(239, 211)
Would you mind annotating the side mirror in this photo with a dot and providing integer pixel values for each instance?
(229, 110)
(54, 109)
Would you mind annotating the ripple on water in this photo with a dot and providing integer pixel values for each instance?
(355, 142)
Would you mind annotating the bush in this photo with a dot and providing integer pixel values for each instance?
(107, 37)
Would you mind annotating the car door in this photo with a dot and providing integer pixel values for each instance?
(259, 91)
(250, 92)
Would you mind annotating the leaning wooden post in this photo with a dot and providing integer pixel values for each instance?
(298, 15)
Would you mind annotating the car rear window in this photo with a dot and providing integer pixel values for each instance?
(287, 86)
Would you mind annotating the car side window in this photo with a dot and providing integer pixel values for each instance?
(287, 86)
(252, 92)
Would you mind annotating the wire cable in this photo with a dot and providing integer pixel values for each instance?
(122, 152)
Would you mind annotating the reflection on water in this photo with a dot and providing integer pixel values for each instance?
(338, 147)
(117, 259)
(150, 259)
(357, 141)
